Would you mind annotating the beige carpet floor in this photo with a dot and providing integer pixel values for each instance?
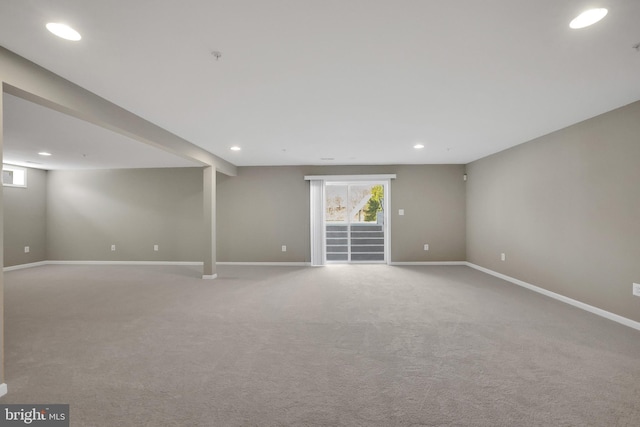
(360, 345)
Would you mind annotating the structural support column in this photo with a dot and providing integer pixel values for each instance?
(3, 386)
(209, 217)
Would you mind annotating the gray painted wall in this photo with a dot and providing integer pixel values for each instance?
(261, 209)
(433, 197)
(24, 222)
(565, 208)
(88, 211)
(134, 209)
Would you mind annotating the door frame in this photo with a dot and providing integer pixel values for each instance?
(317, 212)
(385, 228)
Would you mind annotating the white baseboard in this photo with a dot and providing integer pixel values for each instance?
(428, 263)
(277, 264)
(3, 389)
(121, 263)
(595, 310)
(22, 266)
(43, 263)
(209, 276)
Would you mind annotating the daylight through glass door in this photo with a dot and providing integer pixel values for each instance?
(354, 221)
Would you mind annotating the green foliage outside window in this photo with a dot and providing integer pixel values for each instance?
(375, 203)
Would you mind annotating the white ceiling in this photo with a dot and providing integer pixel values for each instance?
(359, 81)
(74, 144)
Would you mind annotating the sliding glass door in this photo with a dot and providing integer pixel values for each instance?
(355, 222)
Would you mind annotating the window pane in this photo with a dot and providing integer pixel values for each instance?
(336, 203)
(14, 176)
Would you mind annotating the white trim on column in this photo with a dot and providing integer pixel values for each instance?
(209, 276)
(591, 309)
(3, 389)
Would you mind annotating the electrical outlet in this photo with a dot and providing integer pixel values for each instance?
(113, 247)
(284, 248)
(426, 247)
(503, 256)
(636, 289)
(26, 249)
(155, 248)
(400, 212)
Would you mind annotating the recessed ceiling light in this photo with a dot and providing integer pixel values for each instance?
(44, 153)
(64, 31)
(588, 17)
(418, 146)
(235, 148)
